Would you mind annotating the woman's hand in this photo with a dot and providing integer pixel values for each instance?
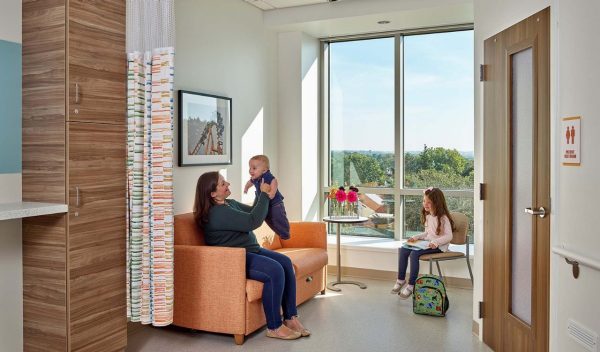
(412, 239)
(433, 245)
(264, 187)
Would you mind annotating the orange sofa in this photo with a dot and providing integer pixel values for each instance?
(211, 289)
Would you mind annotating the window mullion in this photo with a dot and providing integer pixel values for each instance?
(398, 138)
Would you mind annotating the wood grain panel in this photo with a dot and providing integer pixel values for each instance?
(502, 331)
(97, 236)
(43, 173)
(74, 266)
(97, 30)
(44, 283)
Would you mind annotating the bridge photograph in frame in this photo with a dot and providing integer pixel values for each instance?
(204, 129)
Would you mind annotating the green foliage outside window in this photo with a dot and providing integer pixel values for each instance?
(447, 169)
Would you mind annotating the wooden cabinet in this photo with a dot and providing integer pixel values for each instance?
(96, 58)
(74, 152)
(96, 242)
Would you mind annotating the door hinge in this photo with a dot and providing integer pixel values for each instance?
(481, 191)
(482, 70)
(480, 310)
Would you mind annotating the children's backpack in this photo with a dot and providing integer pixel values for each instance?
(429, 296)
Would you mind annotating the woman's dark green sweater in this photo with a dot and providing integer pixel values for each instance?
(231, 224)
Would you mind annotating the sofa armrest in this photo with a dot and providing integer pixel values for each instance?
(210, 287)
(306, 234)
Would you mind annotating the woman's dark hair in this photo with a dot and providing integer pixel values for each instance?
(207, 183)
(436, 196)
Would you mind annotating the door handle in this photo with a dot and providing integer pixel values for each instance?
(77, 203)
(541, 212)
(77, 196)
(76, 93)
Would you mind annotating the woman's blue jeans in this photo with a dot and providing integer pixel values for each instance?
(279, 291)
(406, 253)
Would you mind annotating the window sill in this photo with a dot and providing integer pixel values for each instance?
(374, 244)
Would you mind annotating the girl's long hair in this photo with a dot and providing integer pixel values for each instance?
(207, 183)
(436, 196)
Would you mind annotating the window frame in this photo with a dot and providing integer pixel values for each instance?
(399, 191)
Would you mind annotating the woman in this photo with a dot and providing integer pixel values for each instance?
(229, 223)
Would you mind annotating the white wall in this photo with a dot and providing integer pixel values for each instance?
(574, 90)
(10, 21)
(298, 81)
(574, 207)
(224, 49)
(11, 272)
(289, 108)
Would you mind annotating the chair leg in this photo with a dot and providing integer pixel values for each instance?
(437, 263)
(470, 272)
(430, 266)
(239, 339)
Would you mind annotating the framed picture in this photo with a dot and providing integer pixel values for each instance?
(204, 129)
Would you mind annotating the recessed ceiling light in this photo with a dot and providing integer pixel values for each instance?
(383, 22)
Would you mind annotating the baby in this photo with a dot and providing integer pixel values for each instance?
(277, 217)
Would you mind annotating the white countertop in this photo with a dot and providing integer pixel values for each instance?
(20, 210)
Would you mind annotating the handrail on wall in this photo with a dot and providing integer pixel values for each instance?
(575, 259)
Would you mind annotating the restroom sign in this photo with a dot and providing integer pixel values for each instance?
(570, 135)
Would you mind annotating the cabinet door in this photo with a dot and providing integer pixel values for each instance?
(97, 61)
(96, 240)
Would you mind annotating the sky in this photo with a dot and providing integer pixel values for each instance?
(438, 93)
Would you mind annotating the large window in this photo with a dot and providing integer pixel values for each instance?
(399, 119)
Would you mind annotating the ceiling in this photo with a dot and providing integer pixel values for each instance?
(330, 19)
(279, 4)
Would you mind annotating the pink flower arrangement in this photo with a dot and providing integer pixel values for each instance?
(340, 195)
(352, 197)
(346, 203)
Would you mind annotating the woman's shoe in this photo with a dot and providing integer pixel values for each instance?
(295, 325)
(284, 333)
(406, 291)
(397, 287)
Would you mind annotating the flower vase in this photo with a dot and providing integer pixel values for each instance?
(352, 211)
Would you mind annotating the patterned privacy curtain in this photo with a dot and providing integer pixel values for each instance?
(150, 161)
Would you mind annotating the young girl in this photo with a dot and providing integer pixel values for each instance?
(438, 231)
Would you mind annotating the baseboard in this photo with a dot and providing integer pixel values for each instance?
(457, 282)
(475, 328)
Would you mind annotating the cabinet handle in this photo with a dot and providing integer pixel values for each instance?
(76, 93)
(77, 196)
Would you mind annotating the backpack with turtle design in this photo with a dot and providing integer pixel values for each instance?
(429, 296)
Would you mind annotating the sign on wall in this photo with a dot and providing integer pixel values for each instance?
(571, 141)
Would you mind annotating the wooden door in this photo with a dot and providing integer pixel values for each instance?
(96, 241)
(97, 61)
(517, 176)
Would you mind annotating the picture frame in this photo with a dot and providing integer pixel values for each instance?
(204, 129)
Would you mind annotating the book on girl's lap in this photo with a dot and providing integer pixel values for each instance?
(416, 245)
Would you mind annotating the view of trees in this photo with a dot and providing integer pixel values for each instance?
(447, 169)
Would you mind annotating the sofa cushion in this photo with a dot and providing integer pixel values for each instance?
(187, 232)
(306, 260)
(267, 238)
